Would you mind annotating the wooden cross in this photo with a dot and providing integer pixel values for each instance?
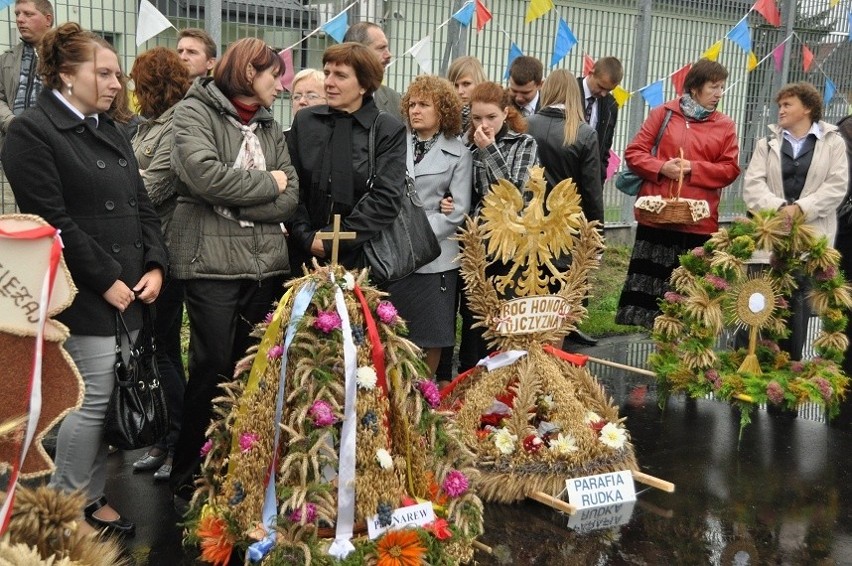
(335, 236)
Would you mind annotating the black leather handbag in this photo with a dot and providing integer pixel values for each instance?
(409, 242)
(137, 415)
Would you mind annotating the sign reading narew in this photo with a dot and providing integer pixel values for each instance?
(411, 516)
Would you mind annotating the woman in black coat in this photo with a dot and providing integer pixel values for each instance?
(68, 162)
(330, 152)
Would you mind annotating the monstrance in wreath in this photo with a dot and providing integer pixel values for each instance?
(533, 414)
(327, 448)
(712, 290)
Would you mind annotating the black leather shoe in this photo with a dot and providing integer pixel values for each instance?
(149, 462)
(579, 337)
(120, 526)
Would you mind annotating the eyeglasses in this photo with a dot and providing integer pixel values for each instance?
(310, 96)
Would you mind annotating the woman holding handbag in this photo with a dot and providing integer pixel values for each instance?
(698, 147)
(331, 153)
(68, 162)
(441, 167)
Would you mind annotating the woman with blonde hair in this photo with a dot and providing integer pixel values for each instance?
(465, 73)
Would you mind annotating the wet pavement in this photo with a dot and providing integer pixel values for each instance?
(780, 495)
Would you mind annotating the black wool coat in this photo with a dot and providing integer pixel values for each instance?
(607, 116)
(85, 181)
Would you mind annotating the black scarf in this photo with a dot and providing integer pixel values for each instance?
(339, 155)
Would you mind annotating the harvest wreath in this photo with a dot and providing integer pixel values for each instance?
(712, 288)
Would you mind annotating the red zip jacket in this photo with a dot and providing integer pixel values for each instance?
(710, 146)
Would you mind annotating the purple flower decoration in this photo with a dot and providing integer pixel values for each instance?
(248, 440)
(826, 274)
(672, 297)
(268, 318)
(716, 282)
(327, 321)
(714, 378)
(430, 392)
(206, 447)
(310, 513)
(386, 312)
(322, 414)
(455, 484)
(275, 352)
(698, 252)
(774, 392)
(797, 367)
(825, 388)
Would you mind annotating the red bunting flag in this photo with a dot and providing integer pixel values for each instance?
(286, 77)
(778, 55)
(807, 58)
(483, 16)
(588, 64)
(679, 77)
(769, 10)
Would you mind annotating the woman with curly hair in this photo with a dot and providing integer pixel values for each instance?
(442, 170)
(162, 80)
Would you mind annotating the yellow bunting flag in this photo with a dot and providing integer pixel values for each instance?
(713, 51)
(620, 95)
(833, 3)
(752, 61)
(537, 9)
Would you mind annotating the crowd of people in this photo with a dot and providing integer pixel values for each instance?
(199, 201)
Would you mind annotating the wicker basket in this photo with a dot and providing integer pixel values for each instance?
(676, 211)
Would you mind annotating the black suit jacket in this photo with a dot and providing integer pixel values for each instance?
(607, 115)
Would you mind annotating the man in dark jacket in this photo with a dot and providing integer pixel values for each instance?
(601, 109)
(843, 243)
(371, 35)
(526, 75)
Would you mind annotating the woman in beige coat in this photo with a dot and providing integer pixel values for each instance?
(799, 169)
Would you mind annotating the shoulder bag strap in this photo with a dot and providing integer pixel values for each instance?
(371, 152)
(660, 133)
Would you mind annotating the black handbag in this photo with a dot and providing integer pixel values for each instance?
(137, 415)
(844, 214)
(629, 182)
(409, 242)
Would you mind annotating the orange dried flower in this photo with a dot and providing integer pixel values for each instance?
(216, 542)
(400, 548)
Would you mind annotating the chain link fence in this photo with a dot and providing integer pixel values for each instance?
(652, 39)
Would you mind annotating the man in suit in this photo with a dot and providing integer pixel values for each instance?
(601, 109)
(372, 36)
(525, 80)
(33, 18)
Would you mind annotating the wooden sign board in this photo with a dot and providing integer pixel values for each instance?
(411, 516)
(527, 315)
(601, 490)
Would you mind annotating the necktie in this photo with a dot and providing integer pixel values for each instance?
(590, 103)
(525, 112)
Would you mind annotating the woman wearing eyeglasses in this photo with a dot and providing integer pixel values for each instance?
(307, 89)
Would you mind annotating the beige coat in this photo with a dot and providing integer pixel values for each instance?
(10, 78)
(825, 185)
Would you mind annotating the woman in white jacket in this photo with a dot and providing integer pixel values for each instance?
(799, 169)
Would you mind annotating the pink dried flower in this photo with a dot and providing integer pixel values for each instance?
(455, 484)
(430, 392)
(698, 252)
(275, 352)
(672, 297)
(322, 413)
(206, 447)
(310, 513)
(824, 386)
(327, 321)
(782, 303)
(268, 318)
(716, 282)
(771, 346)
(774, 392)
(713, 377)
(248, 440)
(386, 312)
(826, 274)
(797, 367)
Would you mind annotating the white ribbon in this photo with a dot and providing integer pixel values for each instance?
(342, 545)
(502, 359)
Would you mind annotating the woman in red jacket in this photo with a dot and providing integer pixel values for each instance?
(699, 143)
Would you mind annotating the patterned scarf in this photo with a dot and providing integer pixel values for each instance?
(421, 148)
(250, 156)
(29, 85)
(692, 109)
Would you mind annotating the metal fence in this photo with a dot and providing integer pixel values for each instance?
(651, 39)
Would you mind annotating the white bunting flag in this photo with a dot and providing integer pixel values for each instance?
(422, 53)
(150, 22)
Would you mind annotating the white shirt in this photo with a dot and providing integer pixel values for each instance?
(73, 108)
(796, 143)
(593, 119)
(529, 109)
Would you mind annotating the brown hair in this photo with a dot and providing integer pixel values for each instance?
(43, 6)
(609, 67)
(363, 61)
(161, 80)
(65, 48)
(525, 69)
(560, 87)
(443, 97)
(360, 33)
(196, 33)
(120, 110)
(230, 74)
(807, 94)
(466, 66)
(492, 93)
(703, 71)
